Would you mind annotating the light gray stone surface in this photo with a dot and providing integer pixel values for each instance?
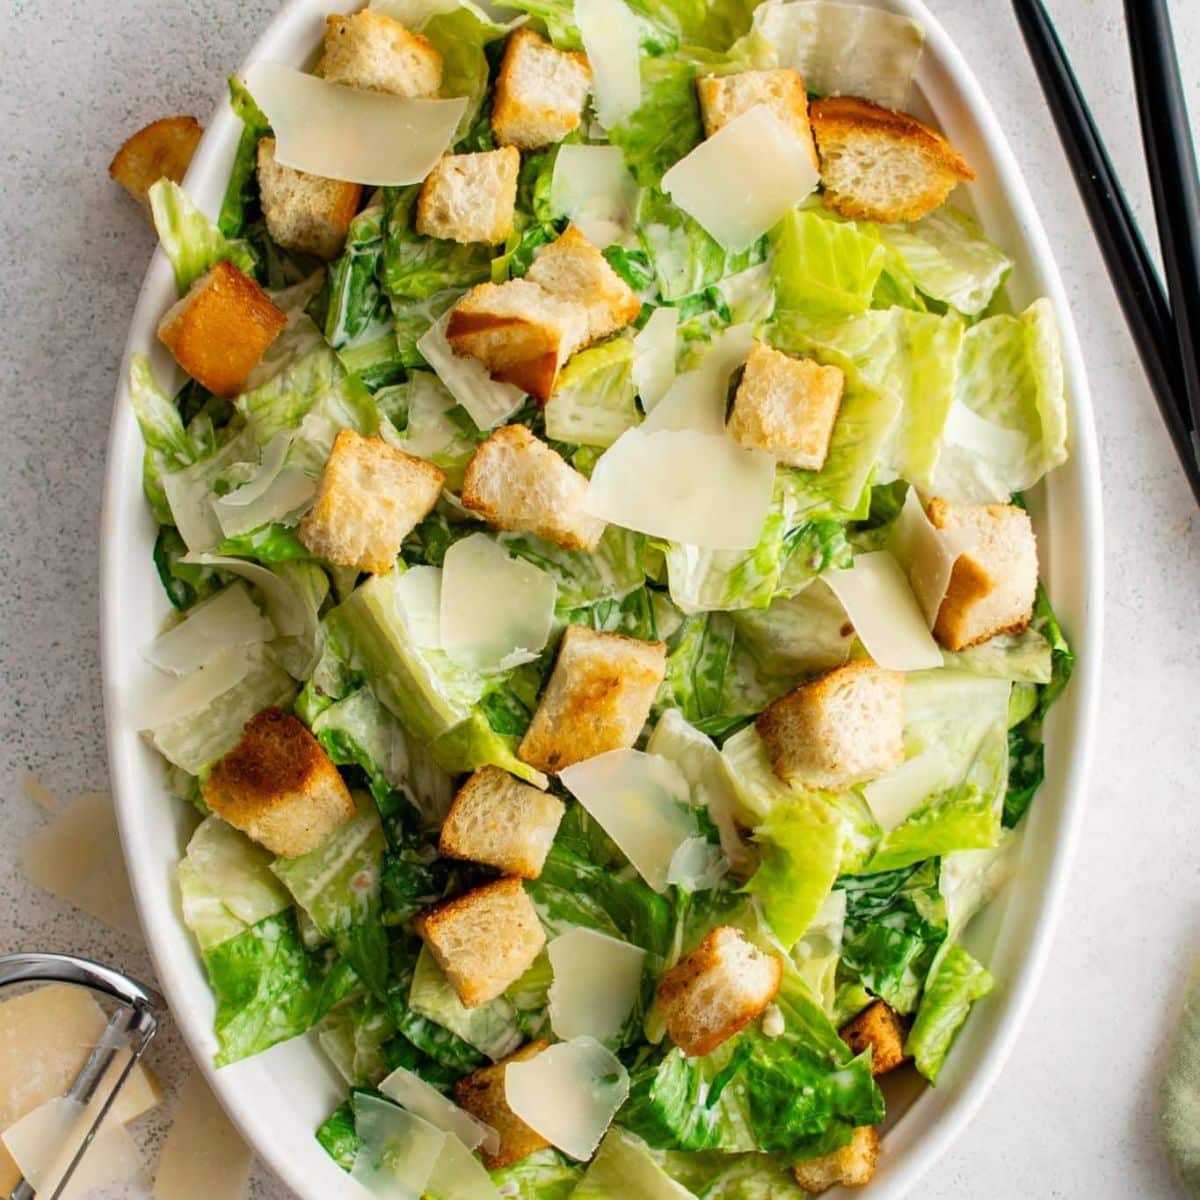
(1073, 1114)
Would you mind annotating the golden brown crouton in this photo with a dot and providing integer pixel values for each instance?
(220, 330)
(482, 1094)
(305, 212)
(514, 481)
(470, 197)
(163, 150)
(501, 822)
(880, 165)
(717, 990)
(484, 940)
(598, 698)
(369, 50)
(842, 728)
(723, 97)
(279, 787)
(994, 583)
(880, 1027)
(851, 1166)
(787, 407)
(370, 498)
(539, 92)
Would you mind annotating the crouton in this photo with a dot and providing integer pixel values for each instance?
(880, 165)
(787, 407)
(221, 329)
(305, 212)
(482, 1094)
(718, 989)
(484, 940)
(370, 498)
(880, 1027)
(279, 787)
(842, 728)
(598, 698)
(539, 92)
(470, 197)
(851, 1166)
(501, 822)
(993, 584)
(514, 481)
(163, 150)
(573, 269)
(371, 51)
(723, 97)
(521, 333)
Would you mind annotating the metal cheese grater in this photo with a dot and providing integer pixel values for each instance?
(132, 1025)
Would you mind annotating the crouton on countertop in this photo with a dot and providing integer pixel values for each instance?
(723, 97)
(842, 728)
(219, 332)
(501, 822)
(514, 481)
(305, 212)
(483, 1095)
(598, 698)
(880, 1027)
(370, 498)
(787, 407)
(162, 150)
(994, 583)
(470, 197)
(371, 51)
(279, 787)
(880, 165)
(851, 1166)
(484, 940)
(539, 92)
(717, 990)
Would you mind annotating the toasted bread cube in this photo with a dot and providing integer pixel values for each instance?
(880, 1027)
(483, 1095)
(723, 97)
(371, 51)
(787, 407)
(514, 481)
(598, 698)
(162, 150)
(501, 822)
(370, 498)
(842, 728)
(220, 330)
(717, 990)
(470, 197)
(994, 583)
(279, 787)
(851, 1166)
(539, 92)
(305, 212)
(576, 272)
(880, 165)
(484, 940)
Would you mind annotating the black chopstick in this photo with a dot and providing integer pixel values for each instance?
(1129, 264)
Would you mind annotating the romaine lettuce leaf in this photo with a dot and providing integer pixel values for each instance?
(435, 426)
(817, 953)
(625, 1165)
(823, 266)
(353, 1036)
(190, 240)
(417, 268)
(610, 572)
(353, 309)
(797, 635)
(594, 400)
(666, 126)
(544, 1175)
(955, 982)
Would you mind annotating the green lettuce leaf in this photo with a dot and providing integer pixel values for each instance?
(190, 240)
(955, 982)
(544, 1175)
(416, 268)
(625, 1165)
(435, 426)
(338, 1137)
(594, 400)
(241, 200)
(823, 266)
(666, 125)
(354, 1035)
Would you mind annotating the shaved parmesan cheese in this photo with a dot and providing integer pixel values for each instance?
(569, 1094)
(894, 797)
(698, 398)
(685, 487)
(459, 1174)
(413, 1093)
(197, 690)
(966, 428)
(288, 494)
(419, 591)
(654, 359)
(496, 611)
(592, 186)
(236, 871)
(611, 39)
(596, 983)
(230, 618)
(398, 1151)
(78, 858)
(351, 134)
(642, 802)
(203, 1157)
(712, 183)
(697, 865)
(885, 613)
(926, 553)
(488, 402)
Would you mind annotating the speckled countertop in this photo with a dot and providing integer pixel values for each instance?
(1073, 1114)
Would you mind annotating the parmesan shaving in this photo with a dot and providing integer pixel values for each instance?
(419, 591)
(488, 402)
(611, 39)
(654, 355)
(894, 797)
(592, 186)
(926, 553)
(698, 398)
(596, 983)
(398, 1153)
(422, 1100)
(203, 1157)
(228, 619)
